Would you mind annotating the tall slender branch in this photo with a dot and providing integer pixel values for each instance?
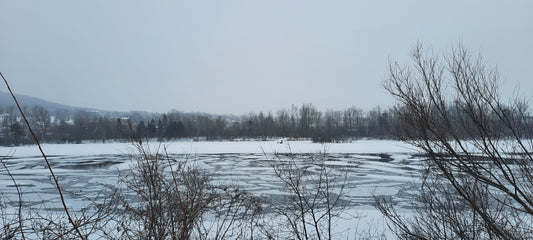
(58, 187)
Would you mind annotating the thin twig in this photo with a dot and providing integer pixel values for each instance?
(19, 196)
(45, 159)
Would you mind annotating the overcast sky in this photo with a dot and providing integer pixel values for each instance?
(242, 56)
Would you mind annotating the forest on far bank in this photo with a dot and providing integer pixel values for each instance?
(296, 122)
(305, 121)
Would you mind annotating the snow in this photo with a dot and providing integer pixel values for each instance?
(381, 167)
(214, 147)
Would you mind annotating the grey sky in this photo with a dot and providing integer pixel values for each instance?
(242, 56)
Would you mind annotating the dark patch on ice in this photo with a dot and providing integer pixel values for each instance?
(384, 157)
(90, 165)
(21, 185)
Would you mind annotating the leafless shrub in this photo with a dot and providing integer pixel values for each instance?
(13, 226)
(174, 199)
(164, 206)
(235, 214)
(477, 181)
(93, 219)
(313, 195)
(29, 223)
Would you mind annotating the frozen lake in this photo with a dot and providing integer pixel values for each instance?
(374, 167)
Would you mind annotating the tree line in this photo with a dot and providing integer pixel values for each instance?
(305, 121)
(296, 122)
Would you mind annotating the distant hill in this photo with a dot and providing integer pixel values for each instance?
(27, 101)
(66, 110)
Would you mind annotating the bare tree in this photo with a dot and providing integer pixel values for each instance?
(352, 119)
(41, 121)
(283, 122)
(477, 180)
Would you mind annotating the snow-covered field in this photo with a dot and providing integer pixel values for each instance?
(375, 167)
